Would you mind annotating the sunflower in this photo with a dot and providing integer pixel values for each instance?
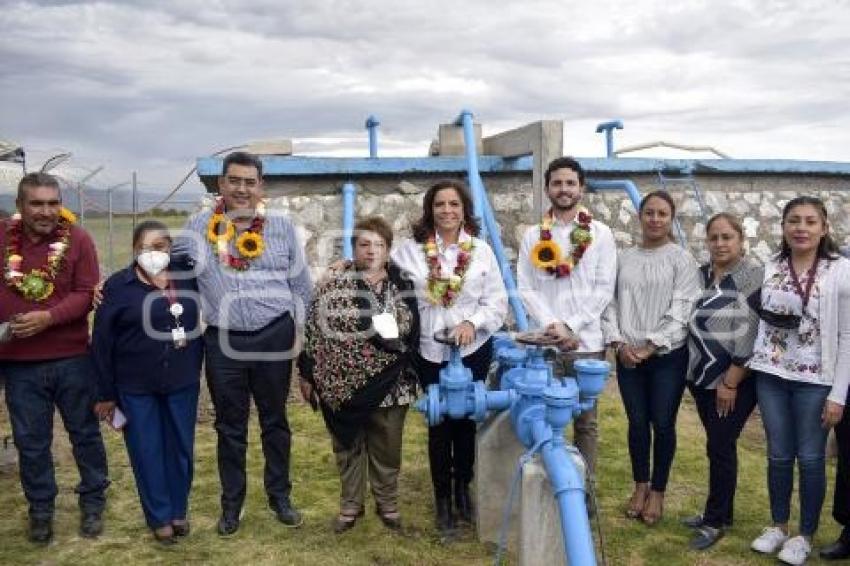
(67, 215)
(220, 228)
(545, 254)
(250, 245)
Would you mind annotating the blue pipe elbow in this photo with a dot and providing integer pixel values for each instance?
(617, 185)
(372, 124)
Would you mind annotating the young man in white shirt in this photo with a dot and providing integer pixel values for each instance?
(567, 269)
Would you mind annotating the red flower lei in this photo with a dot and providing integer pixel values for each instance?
(37, 284)
(441, 290)
(580, 237)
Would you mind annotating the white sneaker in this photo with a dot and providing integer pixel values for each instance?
(769, 541)
(795, 551)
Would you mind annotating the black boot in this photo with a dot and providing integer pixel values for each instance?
(444, 520)
(840, 549)
(463, 502)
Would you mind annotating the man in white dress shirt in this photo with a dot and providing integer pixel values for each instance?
(566, 287)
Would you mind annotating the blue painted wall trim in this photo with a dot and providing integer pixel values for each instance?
(299, 166)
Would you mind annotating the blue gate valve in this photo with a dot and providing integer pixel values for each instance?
(457, 395)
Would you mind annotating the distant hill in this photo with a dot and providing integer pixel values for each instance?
(97, 201)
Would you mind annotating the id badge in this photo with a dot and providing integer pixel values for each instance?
(385, 325)
(178, 335)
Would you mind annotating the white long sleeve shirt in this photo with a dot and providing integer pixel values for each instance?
(579, 299)
(482, 300)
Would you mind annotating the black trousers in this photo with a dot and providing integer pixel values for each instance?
(841, 502)
(451, 444)
(721, 448)
(237, 368)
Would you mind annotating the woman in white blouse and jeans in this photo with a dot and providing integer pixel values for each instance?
(647, 324)
(801, 361)
(458, 287)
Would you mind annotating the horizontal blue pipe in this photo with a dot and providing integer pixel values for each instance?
(300, 166)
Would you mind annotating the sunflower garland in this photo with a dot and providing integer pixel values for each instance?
(249, 244)
(37, 284)
(546, 253)
(443, 291)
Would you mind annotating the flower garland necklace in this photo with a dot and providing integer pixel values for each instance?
(249, 244)
(37, 284)
(443, 291)
(546, 253)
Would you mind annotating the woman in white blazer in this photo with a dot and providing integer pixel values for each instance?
(458, 288)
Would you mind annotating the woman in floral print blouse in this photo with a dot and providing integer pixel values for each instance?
(801, 362)
(361, 328)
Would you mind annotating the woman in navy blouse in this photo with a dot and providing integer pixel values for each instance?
(722, 331)
(147, 355)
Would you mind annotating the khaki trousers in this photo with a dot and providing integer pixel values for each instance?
(376, 455)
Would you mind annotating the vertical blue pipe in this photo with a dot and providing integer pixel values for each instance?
(465, 120)
(484, 213)
(568, 489)
(608, 128)
(349, 192)
(372, 124)
(504, 265)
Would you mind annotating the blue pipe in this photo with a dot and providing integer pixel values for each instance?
(540, 410)
(372, 124)
(608, 128)
(349, 192)
(465, 120)
(568, 489)
(504, 265)
(484, 212)
(617, 185)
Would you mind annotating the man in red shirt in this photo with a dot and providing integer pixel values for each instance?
(49, 272)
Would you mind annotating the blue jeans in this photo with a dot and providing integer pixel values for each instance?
(33, 389)
(651, 393)
(791, 413)
(160, 439)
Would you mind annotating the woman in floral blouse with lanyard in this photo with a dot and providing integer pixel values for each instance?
(361, 328)
(801, 362)
(459, 288)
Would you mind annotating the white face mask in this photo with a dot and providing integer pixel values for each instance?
(152, 262)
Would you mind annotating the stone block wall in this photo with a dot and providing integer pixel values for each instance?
(315, 205)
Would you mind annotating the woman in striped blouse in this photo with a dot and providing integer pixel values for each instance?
(657, 283)
(722, 330)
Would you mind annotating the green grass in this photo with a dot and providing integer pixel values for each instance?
(262, 540)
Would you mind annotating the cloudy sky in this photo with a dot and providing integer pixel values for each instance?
(151, 85)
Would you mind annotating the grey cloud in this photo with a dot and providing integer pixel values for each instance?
(151, 85)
